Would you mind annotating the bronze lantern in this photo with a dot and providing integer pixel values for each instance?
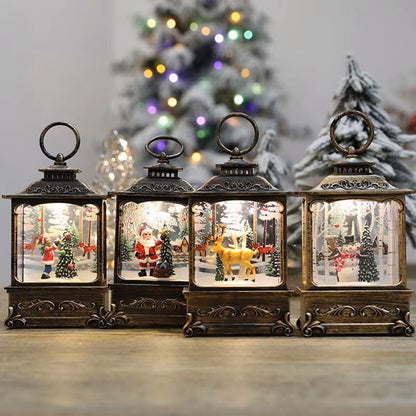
(152, 244)
(238, 251)
(354, 266)
(58, 277)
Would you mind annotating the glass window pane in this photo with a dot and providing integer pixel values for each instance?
(355, 243)
(237, 243)
(57, 243)
(154, 241)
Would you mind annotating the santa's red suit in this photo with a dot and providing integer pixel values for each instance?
(146, 251)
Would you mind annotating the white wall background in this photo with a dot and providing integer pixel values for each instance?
(56, 57)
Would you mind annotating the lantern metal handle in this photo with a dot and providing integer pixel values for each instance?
(350, 150)
(59, 158)
(236, 152)
(162, 155)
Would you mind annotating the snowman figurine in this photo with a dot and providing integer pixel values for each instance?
(348, 272)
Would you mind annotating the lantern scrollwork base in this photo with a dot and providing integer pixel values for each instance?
(106, 319)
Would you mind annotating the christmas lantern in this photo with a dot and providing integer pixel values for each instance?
(152, 241)
(58, 249)
(238, 251)
(354, 268)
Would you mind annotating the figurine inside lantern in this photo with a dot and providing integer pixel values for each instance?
(354, 259)
(237, 279)
(237, 243)
(57, 243)
(154, 241)
(355, 242)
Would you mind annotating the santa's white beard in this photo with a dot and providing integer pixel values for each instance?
(147, 243)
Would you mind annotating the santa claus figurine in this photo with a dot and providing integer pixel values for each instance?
(146, 250)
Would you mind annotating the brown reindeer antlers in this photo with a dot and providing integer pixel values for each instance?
(218, 228)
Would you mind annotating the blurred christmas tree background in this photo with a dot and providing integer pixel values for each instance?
(195, 62)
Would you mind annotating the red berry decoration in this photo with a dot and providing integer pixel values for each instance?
(336, 225)
(70, 266)
(67, 235)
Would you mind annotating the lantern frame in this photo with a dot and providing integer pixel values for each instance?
(51, 303)
(351, 308)
(237, 309)
(147, 302)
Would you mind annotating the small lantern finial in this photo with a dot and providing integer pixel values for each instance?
(60, 157)
(350, 150)
(236, 153)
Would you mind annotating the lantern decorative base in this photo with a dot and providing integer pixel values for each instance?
(56, 306)
(250, 312)
(149, 305)
(355, 312)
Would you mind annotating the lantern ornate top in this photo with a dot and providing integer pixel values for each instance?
(353, 173)
(236, 152)
(350, 150)
(59, 158)
(59, 179)
(162, 177)
(237, 174)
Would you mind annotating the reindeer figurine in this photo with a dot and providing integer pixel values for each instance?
(230, 256)
(202, 248)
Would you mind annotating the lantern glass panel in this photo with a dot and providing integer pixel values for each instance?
(154, 241)
(56, 243)
(355, 243)
(244, 234)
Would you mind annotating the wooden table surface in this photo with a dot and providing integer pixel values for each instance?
(159, 372)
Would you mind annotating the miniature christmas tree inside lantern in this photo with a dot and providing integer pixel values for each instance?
(58, 277)
(152, 244)
(354, 269)
(238, 251)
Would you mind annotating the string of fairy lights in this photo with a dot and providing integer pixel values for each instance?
(164, 110)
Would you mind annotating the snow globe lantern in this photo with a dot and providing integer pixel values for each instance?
(238, 251)
(354, 267)
(152, 243)
(58, 276)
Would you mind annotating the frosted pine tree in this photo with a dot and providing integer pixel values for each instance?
(197, 61)
(357, 91)
(219, 269)
(273, 267)
(164, 266)
(66, 264)
(367, 267)
(270, 165)
(125, 249)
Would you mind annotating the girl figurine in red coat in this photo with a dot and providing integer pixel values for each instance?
(48, 256)
(146, 250)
